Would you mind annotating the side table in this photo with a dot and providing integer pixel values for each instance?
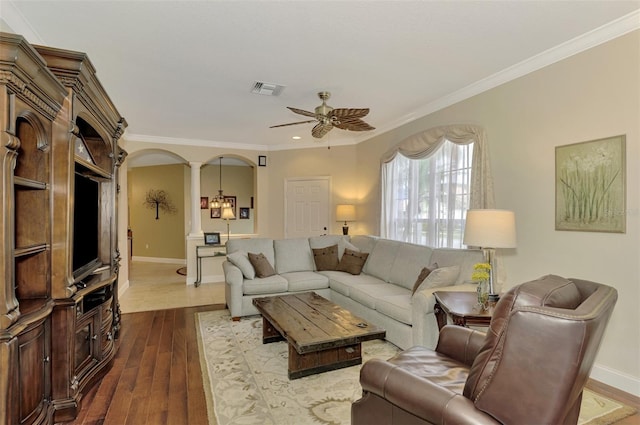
(462, 307)
(208, 251)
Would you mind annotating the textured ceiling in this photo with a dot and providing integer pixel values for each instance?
(182, 71)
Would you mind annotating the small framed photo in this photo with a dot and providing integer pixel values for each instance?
(216, 212)
(244, 213)
(204, 202)
(212, 238)
(262, 160)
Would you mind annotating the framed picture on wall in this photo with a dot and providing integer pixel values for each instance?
(590, 186)
(244, 213)
(204, 202)
(215, 213)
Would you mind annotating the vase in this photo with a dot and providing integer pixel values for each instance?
(483, 293)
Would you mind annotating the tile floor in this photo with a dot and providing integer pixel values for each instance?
(157, 286)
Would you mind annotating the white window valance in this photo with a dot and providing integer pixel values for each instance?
(423, 144)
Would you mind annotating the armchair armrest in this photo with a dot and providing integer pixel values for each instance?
(459, 343)
(425, 399)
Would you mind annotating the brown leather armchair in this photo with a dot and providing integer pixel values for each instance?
(530, 367)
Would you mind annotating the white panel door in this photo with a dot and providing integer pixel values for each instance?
(306, 207)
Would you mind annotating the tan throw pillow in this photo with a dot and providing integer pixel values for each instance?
(261, 265)
(352, 261)
(326, 258)
(422, 276)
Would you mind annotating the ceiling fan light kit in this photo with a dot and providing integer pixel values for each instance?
(327, 117)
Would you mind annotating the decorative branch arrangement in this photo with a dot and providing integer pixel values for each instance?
(159, 199)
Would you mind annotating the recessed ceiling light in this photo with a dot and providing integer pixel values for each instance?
(296, 137)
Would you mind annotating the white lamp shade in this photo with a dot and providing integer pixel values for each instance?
(490, 229)
(346, 213)
(227, 213)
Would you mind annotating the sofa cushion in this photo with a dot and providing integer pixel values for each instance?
(305, 281)
(442, 276)
(365, 243)
(261, 265)
(240, 259)
(409, 260)
(463, 258)
(328, 240)
(382, 258)
(341, 282)
(268, 285)
(422, 276)
(293, 255)
(369, 294)
(352, 261)
(397, 307)
(263, 245)
(326, 258)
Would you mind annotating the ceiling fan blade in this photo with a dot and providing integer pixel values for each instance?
(301, 112)
(293, 123)
(349, 112)
(321, 129)
(353, 124)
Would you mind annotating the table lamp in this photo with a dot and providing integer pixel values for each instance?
(227, 214)
(346, 213)
(490, 229)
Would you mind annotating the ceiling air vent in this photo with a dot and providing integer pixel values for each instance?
(267, 89)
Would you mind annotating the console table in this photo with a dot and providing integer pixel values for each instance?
(462, 307)
(207, 251)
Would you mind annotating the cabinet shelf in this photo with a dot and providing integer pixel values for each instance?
(30, 250)
(29, 183)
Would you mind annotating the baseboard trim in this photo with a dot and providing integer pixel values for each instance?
(122, 287)
(159, 260)
(614, 378)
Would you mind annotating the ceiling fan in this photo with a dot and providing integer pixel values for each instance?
(327, 118)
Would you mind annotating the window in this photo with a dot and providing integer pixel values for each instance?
(425, 200)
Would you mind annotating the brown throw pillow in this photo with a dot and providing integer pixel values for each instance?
(261, 265)
(326, 258)
(352, 261)
(422, 276)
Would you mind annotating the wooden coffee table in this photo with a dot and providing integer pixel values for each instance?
(322, 336)
(462, 307)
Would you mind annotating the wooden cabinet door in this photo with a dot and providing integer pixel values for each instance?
(34, 371)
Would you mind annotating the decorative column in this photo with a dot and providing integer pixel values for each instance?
(196, 223)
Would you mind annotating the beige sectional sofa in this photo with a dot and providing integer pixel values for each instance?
(382, 293)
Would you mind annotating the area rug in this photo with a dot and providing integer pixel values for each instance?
(246, 381)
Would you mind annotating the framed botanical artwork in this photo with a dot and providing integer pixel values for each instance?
(590, 186)
(204, 202)
(232, 201)
(244, 213)
(212, 238)
(216, 212)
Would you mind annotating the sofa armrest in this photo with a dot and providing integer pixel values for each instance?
(233, 291)
(459, 343)
(425, 327)
(423, 398)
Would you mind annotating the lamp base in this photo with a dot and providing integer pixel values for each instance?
(345, 230)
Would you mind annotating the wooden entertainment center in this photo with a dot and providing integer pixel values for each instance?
(59, 310)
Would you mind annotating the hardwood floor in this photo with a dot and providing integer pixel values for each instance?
(155, 377)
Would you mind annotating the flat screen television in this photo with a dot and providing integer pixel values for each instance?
(86, 222)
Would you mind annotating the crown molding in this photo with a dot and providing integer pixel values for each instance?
(593, 38)
(143, 138)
